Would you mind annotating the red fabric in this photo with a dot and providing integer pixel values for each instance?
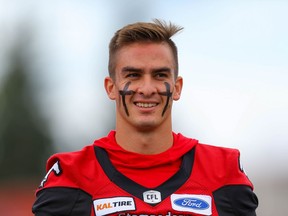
(213, 168)
(147, 170)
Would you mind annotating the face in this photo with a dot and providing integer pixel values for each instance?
(144, 86)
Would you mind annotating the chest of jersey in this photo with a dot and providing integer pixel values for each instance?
(115, 194)
(122, 203)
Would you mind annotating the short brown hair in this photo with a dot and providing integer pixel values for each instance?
(158, 31)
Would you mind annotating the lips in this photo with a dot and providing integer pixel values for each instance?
(145, 105)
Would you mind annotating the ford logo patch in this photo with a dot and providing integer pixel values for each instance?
(193, 203)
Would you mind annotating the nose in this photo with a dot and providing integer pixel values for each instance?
(147, 87)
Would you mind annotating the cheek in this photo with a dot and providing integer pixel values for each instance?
(166, 90)
(123, 94)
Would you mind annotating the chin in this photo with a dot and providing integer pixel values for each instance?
(147, 126)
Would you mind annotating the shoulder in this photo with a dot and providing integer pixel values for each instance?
(78, 158)
(220, 165)
(65, 187)
(218, 158)
(67, 169)
(219, 169)
(217, 152)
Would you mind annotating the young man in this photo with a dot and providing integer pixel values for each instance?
(143, 168)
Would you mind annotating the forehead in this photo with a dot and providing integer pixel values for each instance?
(145, 55)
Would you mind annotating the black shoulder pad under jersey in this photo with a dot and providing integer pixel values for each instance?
(62, 201)
(234, 200)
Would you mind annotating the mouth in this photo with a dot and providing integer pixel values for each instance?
(146, 105)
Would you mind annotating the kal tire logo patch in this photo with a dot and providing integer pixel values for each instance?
(200, 204)
(112, 205)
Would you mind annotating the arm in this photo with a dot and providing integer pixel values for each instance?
(62, 201)
(235, 200)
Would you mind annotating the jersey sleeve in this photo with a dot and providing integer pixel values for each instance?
(62, 201)
(235, 196)
(61, 192)
(220, 168)
(60, 171)
(235, 200)
(235, 171)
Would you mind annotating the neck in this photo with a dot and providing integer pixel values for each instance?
(145, 141)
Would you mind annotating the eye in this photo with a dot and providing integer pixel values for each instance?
(132, 75)
(161, 75)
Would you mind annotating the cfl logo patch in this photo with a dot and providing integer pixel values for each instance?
(152, 196)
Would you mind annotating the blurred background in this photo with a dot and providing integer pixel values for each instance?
(233, 57)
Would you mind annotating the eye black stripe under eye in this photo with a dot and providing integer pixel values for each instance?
(168, 94)
(125, 92)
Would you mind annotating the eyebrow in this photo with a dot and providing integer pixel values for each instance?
(133, 69)
(162, 69)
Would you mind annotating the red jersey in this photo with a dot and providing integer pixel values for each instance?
(104, 179)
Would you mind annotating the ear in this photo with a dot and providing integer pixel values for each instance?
(178, 88)
(109, 87)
